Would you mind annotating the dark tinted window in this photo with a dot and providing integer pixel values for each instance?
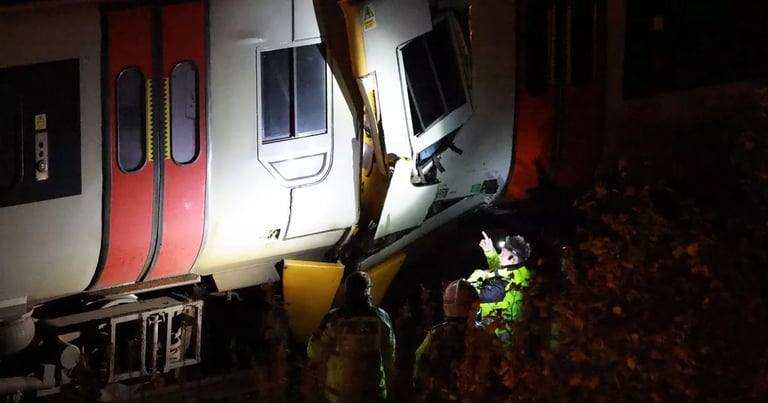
(131, 117)
(310, 90)
(276, 93)
(185, 137)
(422, 83)
(41, 98)
(536, 47)
(433, 76)
(446, 65)
(415, 120)
(583, 36)
(294, 92)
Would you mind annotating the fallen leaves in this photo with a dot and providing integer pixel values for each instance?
(577, 356)
(692, 249)
(651, 305)
(631, 362)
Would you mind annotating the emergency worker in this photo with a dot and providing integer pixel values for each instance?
(441, 354)
(354, 347)
(500, 287)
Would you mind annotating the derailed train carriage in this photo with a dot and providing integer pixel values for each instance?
(150, 145)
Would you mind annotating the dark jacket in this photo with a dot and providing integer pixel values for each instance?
(438, 360)
(354, 349)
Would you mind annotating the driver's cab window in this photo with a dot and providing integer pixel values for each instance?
(435, 83)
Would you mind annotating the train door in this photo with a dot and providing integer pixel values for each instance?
(155, 166)
(577, 148)
(184, 151)
(537, 94)
(560, 106)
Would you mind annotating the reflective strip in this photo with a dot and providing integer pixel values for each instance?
(150, 144)
(167, 113)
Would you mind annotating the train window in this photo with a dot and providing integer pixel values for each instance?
(536, 48)
(294, 92)
(276, 93)
(583, 42)
(131, 129)
(434, 79)
(310, 88)
(185, 131)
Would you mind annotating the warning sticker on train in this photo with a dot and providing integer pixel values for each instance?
(41, 122)
(369, 18)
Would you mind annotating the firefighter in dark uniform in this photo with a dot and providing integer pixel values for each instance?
(441, 354)
(354, 347)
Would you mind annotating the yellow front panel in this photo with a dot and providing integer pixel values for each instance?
(309, 289)
(383, 274)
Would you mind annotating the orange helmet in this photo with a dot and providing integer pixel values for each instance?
(458, 298)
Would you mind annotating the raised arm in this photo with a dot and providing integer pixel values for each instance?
(491, 256)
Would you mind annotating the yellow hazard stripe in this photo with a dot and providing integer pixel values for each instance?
(167, 113)
(150, 145)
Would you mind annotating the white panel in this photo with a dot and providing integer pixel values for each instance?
(301, 167)
(332, 203)
(328, 205)
(234, 279)
(262, 271)
(239, 22)
(249, 206)
(245, 205)
(304, 21)
(406, 205)
(396, 22)
(51, 248)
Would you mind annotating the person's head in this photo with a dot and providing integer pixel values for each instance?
(515, 250)
(459, 298)
(357, 287)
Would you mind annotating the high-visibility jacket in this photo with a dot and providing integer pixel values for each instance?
(355, 352)
(500, 289)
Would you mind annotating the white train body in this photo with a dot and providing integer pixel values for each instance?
(213, 138)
